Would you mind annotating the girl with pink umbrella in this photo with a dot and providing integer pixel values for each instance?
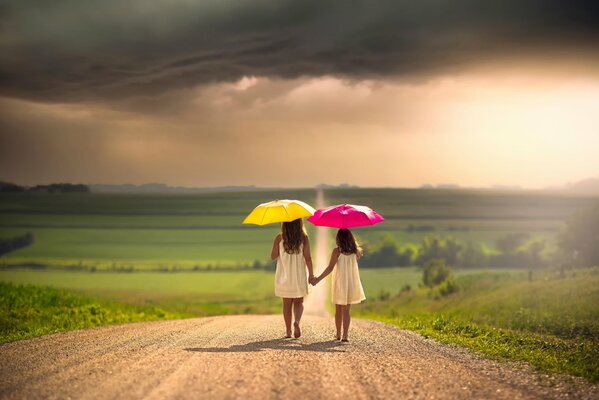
(347, 287)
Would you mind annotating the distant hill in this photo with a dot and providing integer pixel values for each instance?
(163, 188)
(10, 187)
(587, 186)
(51, 188)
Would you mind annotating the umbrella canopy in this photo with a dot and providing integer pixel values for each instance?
(345, 216)
(278, 211)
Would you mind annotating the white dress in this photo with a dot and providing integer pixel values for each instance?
(291, 277)
(347, 288)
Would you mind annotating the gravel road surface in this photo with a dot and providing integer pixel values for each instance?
(246, 357)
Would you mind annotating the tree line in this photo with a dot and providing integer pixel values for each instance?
(10, 244)
(7, 187)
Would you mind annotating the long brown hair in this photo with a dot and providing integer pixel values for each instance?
(347, 243)
(293, 234)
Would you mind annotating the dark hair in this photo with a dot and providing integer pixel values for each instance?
(347, 244)
(293, 234)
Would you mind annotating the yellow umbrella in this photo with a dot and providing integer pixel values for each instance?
(278, 211)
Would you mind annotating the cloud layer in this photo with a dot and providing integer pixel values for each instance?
(69, 50)
(294, 93)
(469, 129)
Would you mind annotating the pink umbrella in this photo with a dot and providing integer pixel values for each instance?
(345, 216)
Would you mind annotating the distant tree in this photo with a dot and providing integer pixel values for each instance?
(430, 249)
(534, 250)
(515, 252)
(10, 244)
(435, 272)
(509, 243)
(452, 249)
(386, 254)
(61, 188)
(580, 239)
(8, 187)
(405, 257)
(473, 256)
(434, 248)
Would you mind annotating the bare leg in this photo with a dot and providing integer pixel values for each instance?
(346, 320)
(287, 305)
(338, 319)
(298, 310)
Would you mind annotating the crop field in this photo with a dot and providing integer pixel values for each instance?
(469, 215)
(144, 248)
(204, 231)
(142, 231)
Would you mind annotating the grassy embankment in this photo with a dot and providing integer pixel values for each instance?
(29, 311)
(551, 322)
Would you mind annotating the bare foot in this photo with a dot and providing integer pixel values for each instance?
(345, 339)
(296, 330)
(288, 335)
(338, 336)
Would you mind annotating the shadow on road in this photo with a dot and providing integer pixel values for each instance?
(276, 344)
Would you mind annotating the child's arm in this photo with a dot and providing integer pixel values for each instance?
(274, 253)
(308, 258)
(332, 263)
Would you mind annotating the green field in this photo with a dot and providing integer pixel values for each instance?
(144, 248)
(120, 231)
(198, 231)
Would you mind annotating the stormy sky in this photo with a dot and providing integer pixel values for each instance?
(295, 93)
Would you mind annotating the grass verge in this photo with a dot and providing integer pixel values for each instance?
(546, 353)
(551, 322)
(28, 311)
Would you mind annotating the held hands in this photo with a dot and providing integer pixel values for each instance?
(313, 280)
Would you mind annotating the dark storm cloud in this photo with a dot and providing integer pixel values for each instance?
(76, 49)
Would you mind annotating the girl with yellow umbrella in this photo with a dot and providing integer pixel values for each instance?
(291, 249)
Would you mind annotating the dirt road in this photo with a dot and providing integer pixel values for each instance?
(246, 357)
